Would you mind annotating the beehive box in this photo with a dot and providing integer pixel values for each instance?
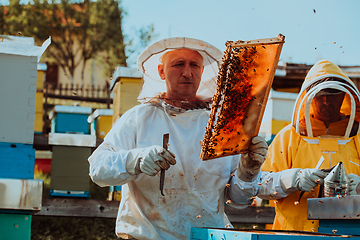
(20, 194)
(18, 90)
(70, 119)
(70, 168)
(17, 160)
(344, 219)
(69, 165)
(43, 161)
(18, 68)
(15, 226)
(100, 122)
(125, 86)
(278, 113)
(39, 113)
(39, 105)
(242, 234)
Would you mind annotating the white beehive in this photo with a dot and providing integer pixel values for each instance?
(18, 68)
(278, 113)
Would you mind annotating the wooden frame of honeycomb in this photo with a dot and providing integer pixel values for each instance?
(243, 85)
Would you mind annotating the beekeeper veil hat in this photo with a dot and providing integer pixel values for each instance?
(149, 60)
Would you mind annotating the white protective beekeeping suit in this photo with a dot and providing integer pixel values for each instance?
(195, 190)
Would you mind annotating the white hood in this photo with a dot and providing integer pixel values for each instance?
(149, 60)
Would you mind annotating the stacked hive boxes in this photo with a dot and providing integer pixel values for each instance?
(71, 146)
(20, 193)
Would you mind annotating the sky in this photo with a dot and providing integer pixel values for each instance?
(313, 29)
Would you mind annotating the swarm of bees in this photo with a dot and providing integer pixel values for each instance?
(231, 95)
(243, 84)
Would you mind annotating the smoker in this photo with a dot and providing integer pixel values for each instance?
(337, 211)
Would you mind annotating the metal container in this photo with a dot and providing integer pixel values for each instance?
(340, 215)
(337, 182)
(334, 208)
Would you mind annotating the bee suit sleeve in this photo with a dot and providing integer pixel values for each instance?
(114, 162)
(281, 184)
(246, 179)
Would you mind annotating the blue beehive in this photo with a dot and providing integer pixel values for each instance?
(70, 119)
(17, 160)
(242, 234)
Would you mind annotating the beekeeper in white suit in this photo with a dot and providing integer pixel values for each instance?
(179, 82)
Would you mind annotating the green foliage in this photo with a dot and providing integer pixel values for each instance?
(144, 36)
(86, 28)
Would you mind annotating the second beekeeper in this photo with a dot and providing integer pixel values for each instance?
(324, 131)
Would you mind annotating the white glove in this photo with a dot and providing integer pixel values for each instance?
(150, 161)
(297, 179)
(354, 187)
(251, 162)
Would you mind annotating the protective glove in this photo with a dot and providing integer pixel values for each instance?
(354, 186)
(251, 162)
(297, 179)
(150, 160)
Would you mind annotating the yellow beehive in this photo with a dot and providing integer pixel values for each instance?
(125, 86)
(39, 105)
(41, 76)
(101, 122)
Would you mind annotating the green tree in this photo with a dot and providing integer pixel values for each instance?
(135, 46)
(89, 29)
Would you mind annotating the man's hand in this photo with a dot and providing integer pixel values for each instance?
(150, 161)
(310, 178)
(251, 162)
(354, 186)
(297, 179)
